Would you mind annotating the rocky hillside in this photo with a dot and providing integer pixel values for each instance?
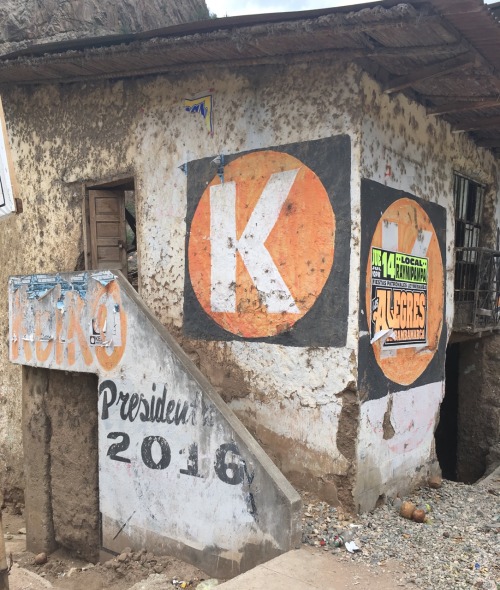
(27, 22)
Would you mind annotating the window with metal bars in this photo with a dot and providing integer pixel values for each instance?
(469, 202)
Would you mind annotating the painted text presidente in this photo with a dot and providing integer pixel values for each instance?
(153, 408)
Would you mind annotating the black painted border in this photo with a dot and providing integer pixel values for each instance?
(372, 382)
(326, 322)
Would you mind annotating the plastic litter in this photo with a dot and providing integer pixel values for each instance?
(352, 547)
(338, 541)
(208, 584)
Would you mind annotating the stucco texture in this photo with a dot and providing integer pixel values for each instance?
(301, 402)
(65, 136)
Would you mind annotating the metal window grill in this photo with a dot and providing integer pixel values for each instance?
(469, 202)
(477, 289)
(477, 278)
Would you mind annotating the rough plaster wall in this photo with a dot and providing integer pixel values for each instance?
(36, 443)
(408, 150)
(478, 406)
(65, 135)
(176, 440)
(24, 22)
(60, 440)
(261, 381)
(405, 149)
(396, 443)
(11, 449)
(47, 237)
(71, 406)
(152, 138)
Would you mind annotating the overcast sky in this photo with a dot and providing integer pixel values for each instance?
(234, 7)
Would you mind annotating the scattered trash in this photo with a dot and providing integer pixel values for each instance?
(338, 541)
(440, 554)
(419, 515)
(208, 584)
(352, 547)
(406, 510)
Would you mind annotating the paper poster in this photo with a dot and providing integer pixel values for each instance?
(399, 298)
(8, 186)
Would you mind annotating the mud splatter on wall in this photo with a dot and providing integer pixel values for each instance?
(267, 245)
(403, 338)
(67, 135)
(164, 434)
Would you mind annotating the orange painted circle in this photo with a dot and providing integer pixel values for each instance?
(407, 364)
(300, 244)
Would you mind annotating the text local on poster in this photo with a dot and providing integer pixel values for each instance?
(399, 297)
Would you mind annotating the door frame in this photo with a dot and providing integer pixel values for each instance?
(122, 182)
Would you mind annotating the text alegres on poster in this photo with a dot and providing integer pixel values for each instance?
(398, 298)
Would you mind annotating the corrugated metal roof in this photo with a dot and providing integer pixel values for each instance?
(444, 53)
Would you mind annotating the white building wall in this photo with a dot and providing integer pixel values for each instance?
(403, 148)
(300, 401)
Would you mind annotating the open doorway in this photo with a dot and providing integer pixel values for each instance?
(446, 435)
(112, 228)
(468, 426)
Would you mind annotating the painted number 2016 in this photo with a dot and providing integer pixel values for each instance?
(229, 465)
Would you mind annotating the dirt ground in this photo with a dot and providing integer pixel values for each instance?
(63, 571)
(66, 572)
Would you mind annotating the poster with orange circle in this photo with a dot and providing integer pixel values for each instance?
(266, 258)
(403, 290)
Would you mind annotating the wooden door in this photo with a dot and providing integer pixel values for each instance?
(107, 230)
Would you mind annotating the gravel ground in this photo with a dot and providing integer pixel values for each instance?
(458, 547)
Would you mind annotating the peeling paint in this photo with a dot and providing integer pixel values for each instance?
(65, 136)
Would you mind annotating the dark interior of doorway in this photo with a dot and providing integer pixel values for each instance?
(446, 435)
(130, 220)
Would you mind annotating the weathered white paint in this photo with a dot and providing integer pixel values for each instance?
(389, 465)
(316, 429)
(404, 148)
(64, 136)
(250, 245)
(177, 471)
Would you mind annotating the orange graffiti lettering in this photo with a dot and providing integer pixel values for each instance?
(75, 306)
(42, 352)
(17, 331)
(109, 361)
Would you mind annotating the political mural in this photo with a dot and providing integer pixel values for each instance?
(268, 245)
(166, 440)
(402, 328)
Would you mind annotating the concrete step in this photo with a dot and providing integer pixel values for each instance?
(309, 569)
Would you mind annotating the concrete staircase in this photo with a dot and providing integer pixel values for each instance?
(177, 471)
